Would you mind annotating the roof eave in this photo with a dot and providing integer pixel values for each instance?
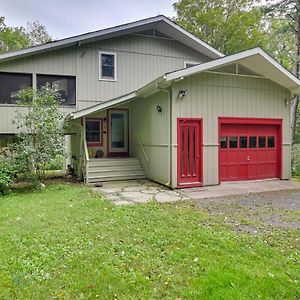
(107, 33)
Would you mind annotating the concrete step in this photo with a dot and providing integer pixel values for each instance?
(115, 177)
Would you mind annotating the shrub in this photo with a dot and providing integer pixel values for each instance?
(41, 131)
(55, 163)
(8, 171)
(296, 160)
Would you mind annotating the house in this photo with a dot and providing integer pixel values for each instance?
(148, 99)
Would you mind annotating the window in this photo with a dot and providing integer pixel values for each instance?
(252, 142)
(65, 85)
(271, 142)
(261, 142)
(223, 142)
(233, 142)
(243, 142)
(94, 132)
(108, 66)
(189, 64)
(11, 84)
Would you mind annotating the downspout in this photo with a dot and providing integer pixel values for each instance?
(168, 90)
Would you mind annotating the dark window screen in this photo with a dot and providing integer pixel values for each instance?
(223, 142)
(11, 84)
(108, 66)
(65, 85)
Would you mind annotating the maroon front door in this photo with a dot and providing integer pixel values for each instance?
(189, 152)
(249, 151)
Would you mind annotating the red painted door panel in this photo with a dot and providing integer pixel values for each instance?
(248, 152)
(189, 152)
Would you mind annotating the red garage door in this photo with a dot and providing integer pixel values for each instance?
(249, 151)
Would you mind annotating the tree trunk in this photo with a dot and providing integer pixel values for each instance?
(294, 104)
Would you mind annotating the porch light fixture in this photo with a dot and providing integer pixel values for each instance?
(182, 93)
(158, 109)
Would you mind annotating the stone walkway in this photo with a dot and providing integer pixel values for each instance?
(142, 191)
(137, 191)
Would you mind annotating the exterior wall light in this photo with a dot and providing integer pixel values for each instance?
(182, 93)
(158, 109)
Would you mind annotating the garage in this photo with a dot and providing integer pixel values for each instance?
(249, 149)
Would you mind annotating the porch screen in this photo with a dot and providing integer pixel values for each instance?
(65, 85)
(11, 84)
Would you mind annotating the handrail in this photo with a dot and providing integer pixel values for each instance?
(86, 153)
(143, 150)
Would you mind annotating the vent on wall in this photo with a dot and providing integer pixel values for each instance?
(154, 33)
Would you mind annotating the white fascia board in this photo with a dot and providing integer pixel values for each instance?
(88, 37)
(101, 106)
(228, 60)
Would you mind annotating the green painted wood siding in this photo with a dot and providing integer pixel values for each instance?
(140, 60)
(213, 95)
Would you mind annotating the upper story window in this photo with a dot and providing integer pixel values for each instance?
(11, 84)
(107, 69)
(188, 64)
(65, 85)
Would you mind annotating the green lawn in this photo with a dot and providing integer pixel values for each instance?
(66, 243)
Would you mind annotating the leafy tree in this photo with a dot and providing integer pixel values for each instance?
(228, 25)
(12, 38)
(288, 13)
(15, 38)
(42, 130)
(37, 33)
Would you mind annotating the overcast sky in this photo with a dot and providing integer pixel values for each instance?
(64, 18)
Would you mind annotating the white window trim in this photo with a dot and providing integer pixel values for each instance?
(115, 66)
(190, 62)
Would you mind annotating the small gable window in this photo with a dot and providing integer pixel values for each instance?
(107, 63)
(189, 64)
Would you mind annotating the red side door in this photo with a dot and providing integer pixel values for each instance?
(189, 152)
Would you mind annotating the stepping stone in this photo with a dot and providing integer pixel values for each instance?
(165, 198)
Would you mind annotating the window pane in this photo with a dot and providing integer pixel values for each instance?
(243, 142)
(65, 85)
(233, 142)
(117, 130)
(252, 142)
(261, 142)
(108, 60)
(92, 125)
(93, 137)
(223, 142)
(271, 142)
(11, 84)
(108, 72)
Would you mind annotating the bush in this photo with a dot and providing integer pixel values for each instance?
(56, 163)
(8, 171)
(296, 160)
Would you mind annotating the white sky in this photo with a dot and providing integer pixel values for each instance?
(64, 18)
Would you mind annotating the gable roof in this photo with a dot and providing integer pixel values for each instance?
(255, 60)
(160, 23)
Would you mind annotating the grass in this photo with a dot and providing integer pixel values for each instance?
(66, 243)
